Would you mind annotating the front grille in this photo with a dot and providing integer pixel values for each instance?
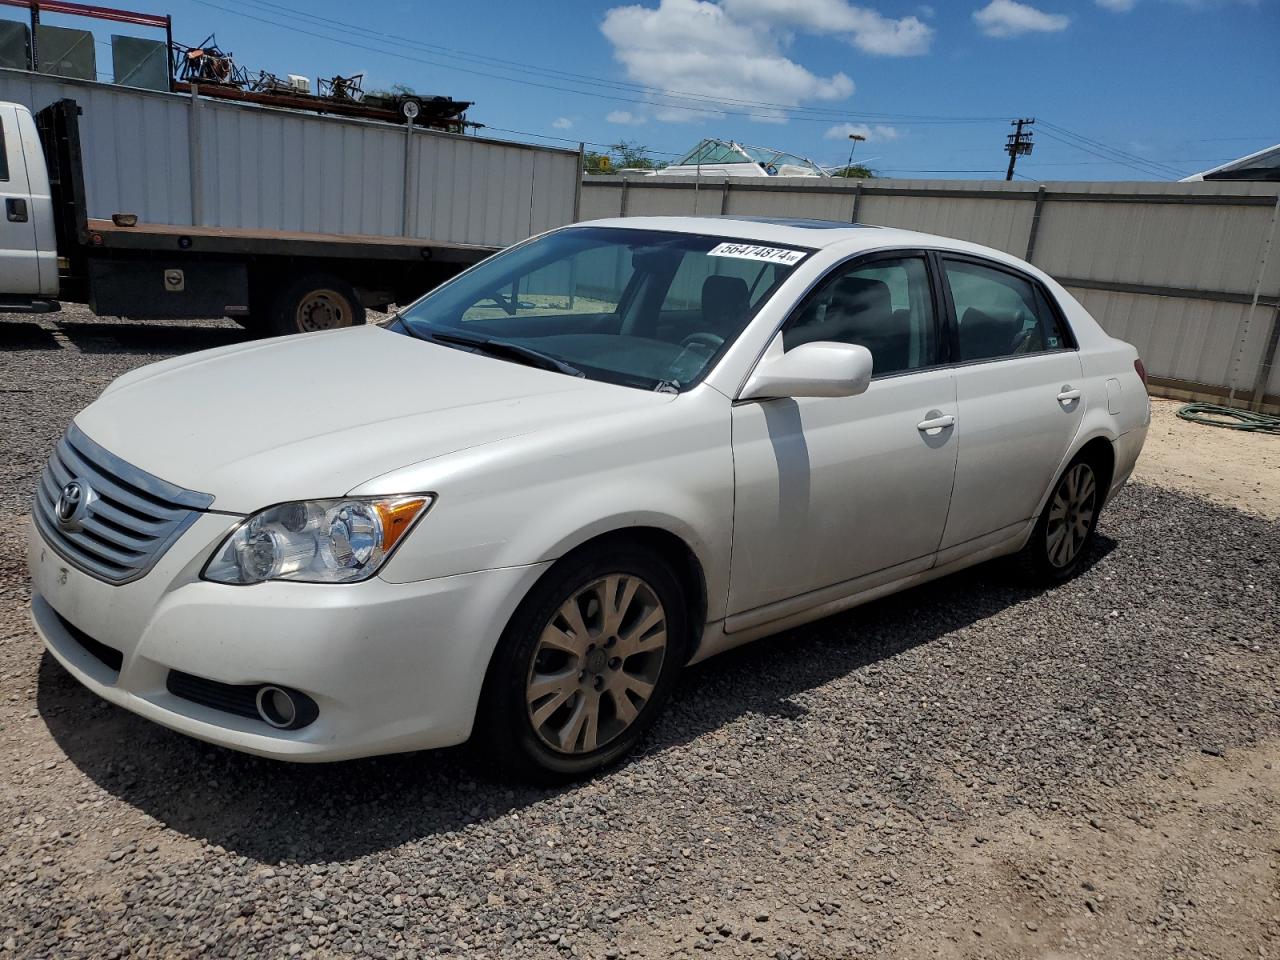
(109, 656)
(128, 518)
(240, 699)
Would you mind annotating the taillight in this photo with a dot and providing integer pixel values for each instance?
(1142, 370)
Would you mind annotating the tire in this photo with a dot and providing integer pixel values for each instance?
(315, 302)
(1064, 533)
(539, 692)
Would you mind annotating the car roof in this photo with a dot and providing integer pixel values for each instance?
(814, 234)
(793, 231)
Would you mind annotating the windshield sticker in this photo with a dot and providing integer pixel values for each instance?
(751, 251)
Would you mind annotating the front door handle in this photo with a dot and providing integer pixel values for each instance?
(15, 209)
(1068, 395)
(936, 423)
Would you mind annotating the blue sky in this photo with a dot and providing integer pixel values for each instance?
(1182, 83)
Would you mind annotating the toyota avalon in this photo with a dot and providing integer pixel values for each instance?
(515, 512)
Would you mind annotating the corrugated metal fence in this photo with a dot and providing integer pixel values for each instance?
(173, 158)
(1188, 272)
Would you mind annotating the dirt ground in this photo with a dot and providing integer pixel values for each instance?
(973, 769)
(1226, 466)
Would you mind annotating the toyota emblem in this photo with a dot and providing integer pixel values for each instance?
(72, 503)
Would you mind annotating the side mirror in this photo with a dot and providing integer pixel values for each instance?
(819, 369)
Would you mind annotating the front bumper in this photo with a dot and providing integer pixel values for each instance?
(393, 667)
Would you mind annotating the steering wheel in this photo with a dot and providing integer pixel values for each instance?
(710, 340)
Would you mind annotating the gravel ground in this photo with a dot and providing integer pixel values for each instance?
(1225, 466)
(971, 769)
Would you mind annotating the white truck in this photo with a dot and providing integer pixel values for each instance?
(149, 204)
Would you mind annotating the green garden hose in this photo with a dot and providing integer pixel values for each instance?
(1214, 415)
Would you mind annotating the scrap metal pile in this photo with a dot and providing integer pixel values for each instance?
(216, 74)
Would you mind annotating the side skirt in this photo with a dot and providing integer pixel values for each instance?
(741, 628)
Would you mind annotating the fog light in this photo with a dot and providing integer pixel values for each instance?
(284, 709)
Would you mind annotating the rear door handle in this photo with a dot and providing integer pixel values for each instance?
(1068, 395)
(15, 209)
(936, 423)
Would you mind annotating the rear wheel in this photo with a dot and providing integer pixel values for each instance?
(1064, 533)
(585, 665)
(316, 302)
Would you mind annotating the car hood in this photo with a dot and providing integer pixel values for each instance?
(316, 415)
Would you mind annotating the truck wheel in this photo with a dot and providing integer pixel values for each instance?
(316, 302)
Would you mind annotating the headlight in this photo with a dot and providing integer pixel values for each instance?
(316, 541)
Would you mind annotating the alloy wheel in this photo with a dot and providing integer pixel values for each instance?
(1071, 515)
(596, 664)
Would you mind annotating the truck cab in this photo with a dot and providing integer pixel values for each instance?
(28, 247)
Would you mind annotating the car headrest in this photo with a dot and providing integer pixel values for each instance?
(984, 335)
(860, 304)
(725, 301)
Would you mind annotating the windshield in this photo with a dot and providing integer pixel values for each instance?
(644, 308)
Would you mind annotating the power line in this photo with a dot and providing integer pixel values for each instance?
(663, 99)
(1114, 151)
(907, 170)
(1142, 167)
(589, 143)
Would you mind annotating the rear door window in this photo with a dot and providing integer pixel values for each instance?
(999, 314)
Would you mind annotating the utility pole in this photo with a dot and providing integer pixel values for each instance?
(1019, 144)
(856, 138)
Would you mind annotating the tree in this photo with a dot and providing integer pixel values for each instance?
(858, 171)
(594, 162)
(632, 154)
(623, 154)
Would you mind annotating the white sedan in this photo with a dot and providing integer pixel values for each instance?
(513, 514)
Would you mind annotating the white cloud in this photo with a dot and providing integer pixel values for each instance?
(866, 29)
(1118, 6)
(699, 46)
(1008, 18)
(626, 118)
(842, 131)
(562, 123)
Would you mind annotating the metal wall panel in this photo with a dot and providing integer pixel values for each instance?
(66, 52)
(1177, 338)
(1273, 384)
(138, 62)
(601, 200)
(1193, 246)
(15, 45)
(1004, 225)
(815, 204)
(653, 201)
(270, 169)
(135, 144)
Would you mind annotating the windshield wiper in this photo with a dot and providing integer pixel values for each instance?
(509, 351)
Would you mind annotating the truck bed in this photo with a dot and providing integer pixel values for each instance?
(236, 240)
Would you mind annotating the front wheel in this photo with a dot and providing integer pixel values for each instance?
(1065, 530)
(585, 666)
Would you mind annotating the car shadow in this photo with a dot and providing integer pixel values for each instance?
(273, 811)
(26, 335)
(149, 336)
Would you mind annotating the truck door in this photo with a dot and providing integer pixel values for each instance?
(19, 258)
